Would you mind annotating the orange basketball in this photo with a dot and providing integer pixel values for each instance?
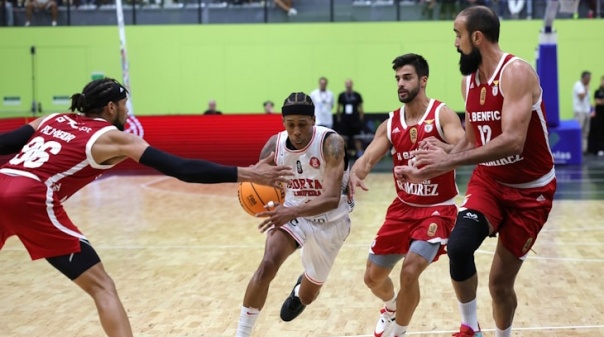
(253, 197)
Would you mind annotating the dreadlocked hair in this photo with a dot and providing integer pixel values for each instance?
(96, 95)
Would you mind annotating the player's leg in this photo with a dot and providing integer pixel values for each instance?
(421, 254)
(279, 246)
(321, 247)
(86, 270)
(502, 277)
(471, 228)
(527, 211)
(389, 246)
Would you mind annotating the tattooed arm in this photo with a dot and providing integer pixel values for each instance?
(269, 148)
(333, 151)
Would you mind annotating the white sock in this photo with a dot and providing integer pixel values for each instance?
(391, 304)
(297, 291)
(398, 330)
(503, 333)
(247, 319)
(468, 314)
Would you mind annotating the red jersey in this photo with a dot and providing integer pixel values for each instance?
(405, 139)
(484, 103)
(59, 153)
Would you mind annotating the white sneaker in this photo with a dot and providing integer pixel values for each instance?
(384, 323)
(27, 23)
(292, 12)
(54, 23)
(600, 153)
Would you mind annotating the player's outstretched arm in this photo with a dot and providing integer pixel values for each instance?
(14, 140)
(114, 146)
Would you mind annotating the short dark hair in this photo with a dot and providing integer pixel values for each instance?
(585, 73)
(482, 19)
(417, 61)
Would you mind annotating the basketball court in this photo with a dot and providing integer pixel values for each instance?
(181, 256)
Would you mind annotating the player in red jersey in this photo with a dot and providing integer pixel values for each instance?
(420, 218)
(59, 154)
(511, 190)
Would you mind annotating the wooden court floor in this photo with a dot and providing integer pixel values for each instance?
(181, 256)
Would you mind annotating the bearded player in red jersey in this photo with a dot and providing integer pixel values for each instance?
(59, 154)
(511, 190)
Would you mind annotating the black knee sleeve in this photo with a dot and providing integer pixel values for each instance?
(471, 228)
(73, 265)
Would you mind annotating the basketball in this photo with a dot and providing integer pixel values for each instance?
(253, 197)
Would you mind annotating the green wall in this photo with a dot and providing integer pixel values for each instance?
(177, 69)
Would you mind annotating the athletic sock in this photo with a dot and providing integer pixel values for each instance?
(247, 319)
(468, 314)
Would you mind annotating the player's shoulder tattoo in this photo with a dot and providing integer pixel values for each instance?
(334, 146)
(270, 146)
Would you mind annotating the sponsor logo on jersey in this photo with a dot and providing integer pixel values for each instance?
(315, 163)
(413, 134)
(299, 167)
(527, 245)
(396, 130)
(483, 95)
(432, 229)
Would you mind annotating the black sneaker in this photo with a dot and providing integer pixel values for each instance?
(292, 307)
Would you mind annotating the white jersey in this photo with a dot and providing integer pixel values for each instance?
(309, 166)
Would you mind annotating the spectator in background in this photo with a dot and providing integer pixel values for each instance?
(350, 116)
(428, 9)
(448, 9)
(286, 6)
(581, 106)
(323, 101)
(269, 107)
(212, 109)
(596, 129)
(36, 5)
(7, 6)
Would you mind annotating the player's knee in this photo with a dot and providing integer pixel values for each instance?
(266, 271)
(471, 228)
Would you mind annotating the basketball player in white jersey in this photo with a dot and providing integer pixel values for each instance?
(314, 215)
(511, 190)
(420, 218)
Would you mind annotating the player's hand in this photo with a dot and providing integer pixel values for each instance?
(431, 143)
(353, 182)
(265, 173)
(277, 217)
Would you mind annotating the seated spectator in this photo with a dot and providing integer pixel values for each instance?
(8, 12)
(286, 6)
(212, 109)
(47, 5)
(269, 107)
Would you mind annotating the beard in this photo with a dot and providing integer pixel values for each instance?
(468, 64)
(119, 125)
(411, 94)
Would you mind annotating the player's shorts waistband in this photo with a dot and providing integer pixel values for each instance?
(540, 182)
(444, 203)
(13, 172)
